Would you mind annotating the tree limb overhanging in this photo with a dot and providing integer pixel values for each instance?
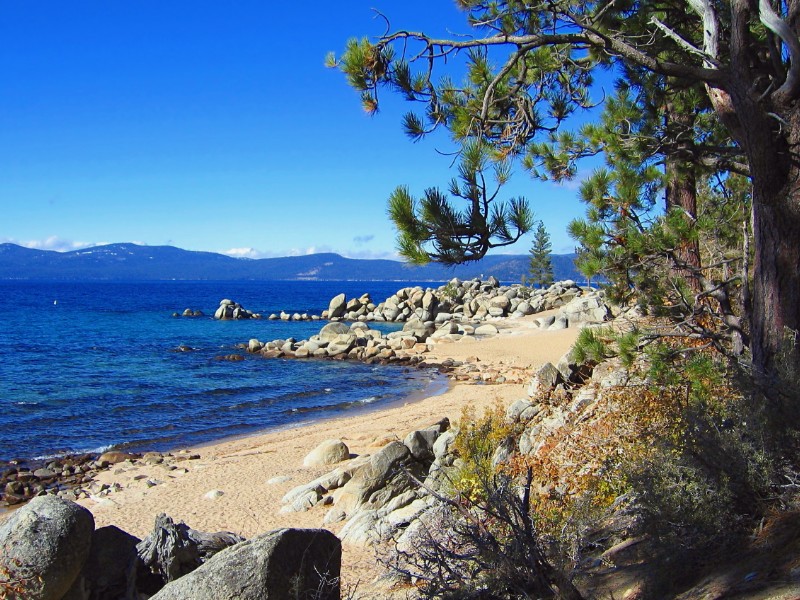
(737, 60)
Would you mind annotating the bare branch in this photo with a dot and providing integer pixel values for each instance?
(705, 9)
(510, 64)
(612, 45)
(684, 43)
(791, 86)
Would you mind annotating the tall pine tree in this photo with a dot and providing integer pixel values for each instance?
(541, 267)
(742, 56)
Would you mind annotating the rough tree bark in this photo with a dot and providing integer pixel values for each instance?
(681, 187)
(767, 127)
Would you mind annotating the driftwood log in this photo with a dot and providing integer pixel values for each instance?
(175, 549)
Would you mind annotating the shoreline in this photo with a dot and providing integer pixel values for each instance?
(238, 484)
(433, 379)
(438, 385)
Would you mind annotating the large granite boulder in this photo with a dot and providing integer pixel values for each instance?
(382, 468)
(328, 452)
(44, 546)
(544, 381)
(110, 569)
(420, 443)
(586, 309)
(341, 344)
(333, 330)
(228, 309)
(285, 564)
(337, 307)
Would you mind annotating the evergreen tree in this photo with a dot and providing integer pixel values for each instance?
(540, 266)
(434, 229)
(742, 57)
(656, 256)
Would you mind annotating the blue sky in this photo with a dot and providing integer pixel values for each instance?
(212, 126)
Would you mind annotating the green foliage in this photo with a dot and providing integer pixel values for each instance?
(676, 119)
(475, 445)
(668, 261)
(593, 345)
(365, 65)
(540, 267)
(432, 228)
(702, 463)
(596, 344)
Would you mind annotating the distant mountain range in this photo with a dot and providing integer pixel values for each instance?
(130, 262)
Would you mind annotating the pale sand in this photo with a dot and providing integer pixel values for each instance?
(241, 468)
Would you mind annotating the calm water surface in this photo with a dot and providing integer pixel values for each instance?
(86, 366)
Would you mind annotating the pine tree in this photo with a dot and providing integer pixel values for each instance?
(743, 57)
(434, 228)
(541, 267)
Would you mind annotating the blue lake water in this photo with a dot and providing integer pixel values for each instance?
(85, 366)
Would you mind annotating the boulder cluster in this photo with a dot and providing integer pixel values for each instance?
(473, 300)
(229, 310)
(436, 316)
(21, 480)
(52, 551)
(377, 494)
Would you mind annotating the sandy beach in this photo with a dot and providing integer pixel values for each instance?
(254, 473)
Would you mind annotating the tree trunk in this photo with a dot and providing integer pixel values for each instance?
(682, 192)
(769, 133)
(775, 320)
(681, 188)
(771, 140)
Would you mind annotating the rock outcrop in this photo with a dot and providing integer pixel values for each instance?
(44, 547)
(378, 495)
(282, 564)
(50, 551)
(230, 310)
(434, 316)
(468, 301)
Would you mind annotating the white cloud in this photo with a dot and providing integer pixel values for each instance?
(51, 243)
(372, 255)
(308, 250)
(243, 253)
